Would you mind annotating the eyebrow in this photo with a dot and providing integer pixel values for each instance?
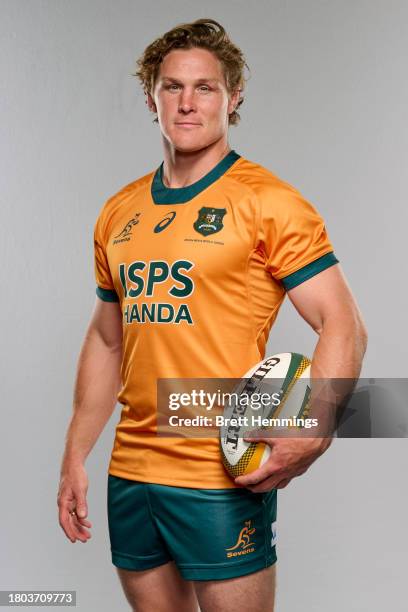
(200, 80)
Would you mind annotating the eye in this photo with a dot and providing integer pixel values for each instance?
(172, 87)
(204, 88)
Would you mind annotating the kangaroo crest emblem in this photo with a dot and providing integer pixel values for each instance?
(127, 230)
(244, 538)
(209, 220)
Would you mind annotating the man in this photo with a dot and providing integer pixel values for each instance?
(192, 264)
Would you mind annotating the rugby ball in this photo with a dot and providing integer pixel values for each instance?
(285, 379)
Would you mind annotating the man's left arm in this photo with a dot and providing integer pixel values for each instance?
(327, 304)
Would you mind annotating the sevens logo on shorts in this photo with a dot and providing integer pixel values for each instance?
(165, 222)
(244, 543)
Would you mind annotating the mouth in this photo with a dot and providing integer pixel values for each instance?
(187, 124)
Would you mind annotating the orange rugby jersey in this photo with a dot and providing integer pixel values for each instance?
(200, 273)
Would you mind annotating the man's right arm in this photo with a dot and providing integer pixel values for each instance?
(96, 388)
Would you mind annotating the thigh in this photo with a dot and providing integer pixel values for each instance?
(251, 593)
(161, 589)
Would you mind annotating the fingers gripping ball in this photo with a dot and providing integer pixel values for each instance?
(282, 383)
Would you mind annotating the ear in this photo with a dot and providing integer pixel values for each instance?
(233, 101)
(150, 102)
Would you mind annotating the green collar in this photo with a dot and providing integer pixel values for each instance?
(179, 195)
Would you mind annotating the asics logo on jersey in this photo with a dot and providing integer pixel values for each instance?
(243, 545)
(209, 220)
(164, 222)
(123, 236)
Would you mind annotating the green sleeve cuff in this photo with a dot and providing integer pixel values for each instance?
(311, 269)
(107, 295)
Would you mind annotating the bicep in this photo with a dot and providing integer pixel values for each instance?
(323, 297)
(106, 322)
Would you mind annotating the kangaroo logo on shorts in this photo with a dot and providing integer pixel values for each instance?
(209, 220)
(243, 545)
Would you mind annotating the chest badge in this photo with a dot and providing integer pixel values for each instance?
(209, 220)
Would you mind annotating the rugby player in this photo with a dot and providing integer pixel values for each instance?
(192, 263)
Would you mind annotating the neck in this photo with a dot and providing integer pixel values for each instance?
(182, 168)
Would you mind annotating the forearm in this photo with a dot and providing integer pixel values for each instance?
(96, 388)
(340, 350)
(336, 366)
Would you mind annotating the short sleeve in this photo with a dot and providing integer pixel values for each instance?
(293, 236)
(105, 289)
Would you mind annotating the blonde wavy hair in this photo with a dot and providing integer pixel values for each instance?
(203, 33)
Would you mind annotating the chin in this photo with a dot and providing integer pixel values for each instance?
(189, 145)
(186, 146)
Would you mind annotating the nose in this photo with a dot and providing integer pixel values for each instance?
(187, 101)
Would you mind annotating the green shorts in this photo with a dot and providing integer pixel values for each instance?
(210, 534)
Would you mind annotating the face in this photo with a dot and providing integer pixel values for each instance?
(191, 99)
